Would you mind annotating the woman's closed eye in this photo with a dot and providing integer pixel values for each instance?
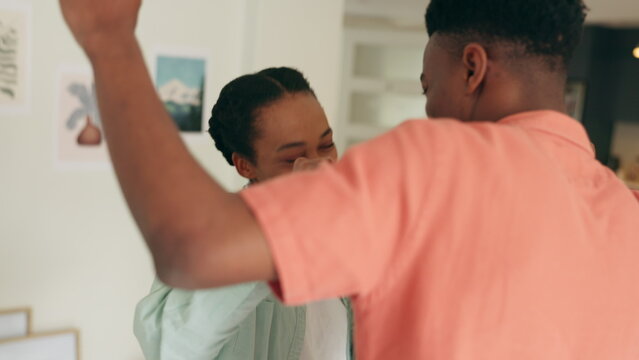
(290, 159)
(327, 146)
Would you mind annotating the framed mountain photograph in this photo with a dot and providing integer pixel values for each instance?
(180, 79)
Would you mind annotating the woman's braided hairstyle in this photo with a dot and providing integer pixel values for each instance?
(233, 119)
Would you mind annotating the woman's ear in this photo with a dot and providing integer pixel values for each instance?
(244, 167)
(475, 60)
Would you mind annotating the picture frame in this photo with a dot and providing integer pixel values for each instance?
(575, 97)
(77, 115)
(59, 345)
(15, 65)
(180, 76)
(15, 323)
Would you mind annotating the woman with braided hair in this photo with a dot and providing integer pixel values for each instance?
(265, 124)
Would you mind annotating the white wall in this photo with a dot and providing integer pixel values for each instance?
(68, 246)
(306, 34)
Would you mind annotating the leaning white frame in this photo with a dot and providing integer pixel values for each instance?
(15, 323)
(33, 347)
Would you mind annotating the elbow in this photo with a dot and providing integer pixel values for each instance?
(167, 258)
(208, 250)
(182, 260)
(168, 270)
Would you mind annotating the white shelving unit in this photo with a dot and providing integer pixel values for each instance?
(396, 9)
(381, 86)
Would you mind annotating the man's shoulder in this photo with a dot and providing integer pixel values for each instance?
(446, 132)
(449, 124)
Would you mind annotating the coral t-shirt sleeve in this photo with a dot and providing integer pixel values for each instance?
(334, 231)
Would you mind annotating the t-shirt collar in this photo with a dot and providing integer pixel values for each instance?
(555, 123)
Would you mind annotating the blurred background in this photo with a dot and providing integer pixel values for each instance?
(69, 249)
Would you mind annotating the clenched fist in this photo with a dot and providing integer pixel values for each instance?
(97, 24)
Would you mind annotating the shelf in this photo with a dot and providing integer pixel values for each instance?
(407, 10)
(399, 87)
(384, 110)
(387, 61)
(381, 86)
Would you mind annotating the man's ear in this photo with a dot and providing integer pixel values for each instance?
(244, 167)
(475, 60)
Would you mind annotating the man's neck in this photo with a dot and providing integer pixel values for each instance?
(515, 98)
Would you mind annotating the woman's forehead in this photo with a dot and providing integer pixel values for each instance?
(290, 121)
(300, 114)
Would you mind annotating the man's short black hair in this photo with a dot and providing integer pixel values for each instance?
(549, 28)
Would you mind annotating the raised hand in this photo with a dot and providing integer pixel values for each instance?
(99, 23)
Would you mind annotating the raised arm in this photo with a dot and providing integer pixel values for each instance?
(199, 234)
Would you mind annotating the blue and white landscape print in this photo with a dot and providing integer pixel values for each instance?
(180, 84)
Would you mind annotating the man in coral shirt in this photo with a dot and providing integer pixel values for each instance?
(489, 233)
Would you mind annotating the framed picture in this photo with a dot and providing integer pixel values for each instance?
(79, 140)
(15, 58)
(15, 323)
(61, 345)
(180, 78)
(576, 98)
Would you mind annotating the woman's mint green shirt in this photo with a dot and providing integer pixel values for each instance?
(239, 322)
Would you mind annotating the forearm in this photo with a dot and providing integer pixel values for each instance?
(183, 214)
